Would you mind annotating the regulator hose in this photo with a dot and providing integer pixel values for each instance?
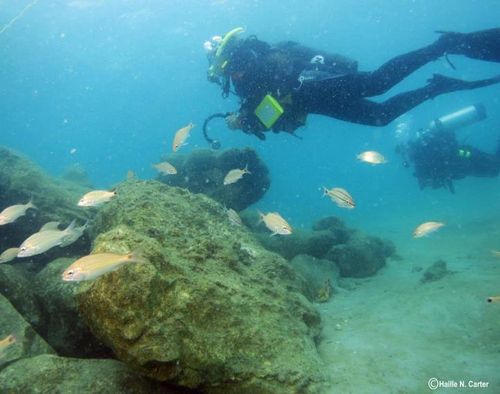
(214, 144)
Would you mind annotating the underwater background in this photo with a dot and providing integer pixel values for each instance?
(106, 84)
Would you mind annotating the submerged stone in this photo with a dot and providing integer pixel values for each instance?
(203, 171)
(210, 309)
(438, 270)
(53, 374)
(27, 342)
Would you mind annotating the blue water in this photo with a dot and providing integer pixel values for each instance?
(115, 79)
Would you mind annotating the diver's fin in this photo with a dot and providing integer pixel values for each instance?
(482, 45)
(443, 84)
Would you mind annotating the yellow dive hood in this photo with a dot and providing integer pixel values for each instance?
(220, 60)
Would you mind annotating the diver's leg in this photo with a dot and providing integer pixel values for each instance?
(483, 45)
(483, 164)
(371, 113)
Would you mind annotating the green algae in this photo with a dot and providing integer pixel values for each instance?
(210, 309)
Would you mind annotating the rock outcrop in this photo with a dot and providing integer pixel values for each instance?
(210, 308)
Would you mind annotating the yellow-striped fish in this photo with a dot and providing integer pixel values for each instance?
(340, 196)
(275, 222)
(96, 198)
(8, 255)
(371, 157)
(233, 217)
(426, 228)
(12, 213)
(165, 168)
(44, 240)
(495, 253)
(50, 226)
(181, 136)
(94, 265)
(493, 299)
(235, 175)
(9, 340)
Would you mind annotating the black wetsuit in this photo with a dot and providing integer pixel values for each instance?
(439, 160)
(332, 85)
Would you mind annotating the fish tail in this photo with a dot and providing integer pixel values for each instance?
(261, 215)
(30, 203)
(246, 169)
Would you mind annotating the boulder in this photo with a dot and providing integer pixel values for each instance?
(203, 171)
(209, 309)
(362, 256)
(27, 342)
(16, 284)
(438, 270)
(52, 374)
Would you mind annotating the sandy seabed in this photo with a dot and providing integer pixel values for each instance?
(392, 334)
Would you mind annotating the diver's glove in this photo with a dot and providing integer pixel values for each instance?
(235, 121)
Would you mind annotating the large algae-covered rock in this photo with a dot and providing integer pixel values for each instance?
(209, 309)
(27, 342)
(64, 329)
(203, 171)
(53, 374)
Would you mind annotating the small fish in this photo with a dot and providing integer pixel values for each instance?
(340, 196)
(44, 240)
(8, 255)
(235, 175)
(181, 136)
(493, 299)
(233, 217)
(73, 235)
(50, 226)
(130, 174)
(275, 222)
(495, 253)
(9, 340)
(426, 228)
(12, 213)
(371, 157)
(94, 265)
(72, 151)
(165, 168)
(96, 198)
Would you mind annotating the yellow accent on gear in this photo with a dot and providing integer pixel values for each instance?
(220, 60)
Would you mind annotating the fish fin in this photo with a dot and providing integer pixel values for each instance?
(261, 215)
(30, 203)
(273, 234)
(71, 226)
(246, 169)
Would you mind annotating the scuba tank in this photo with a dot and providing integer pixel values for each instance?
(461, 118)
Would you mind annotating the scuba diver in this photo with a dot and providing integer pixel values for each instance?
(439, 159)
(280, 85)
